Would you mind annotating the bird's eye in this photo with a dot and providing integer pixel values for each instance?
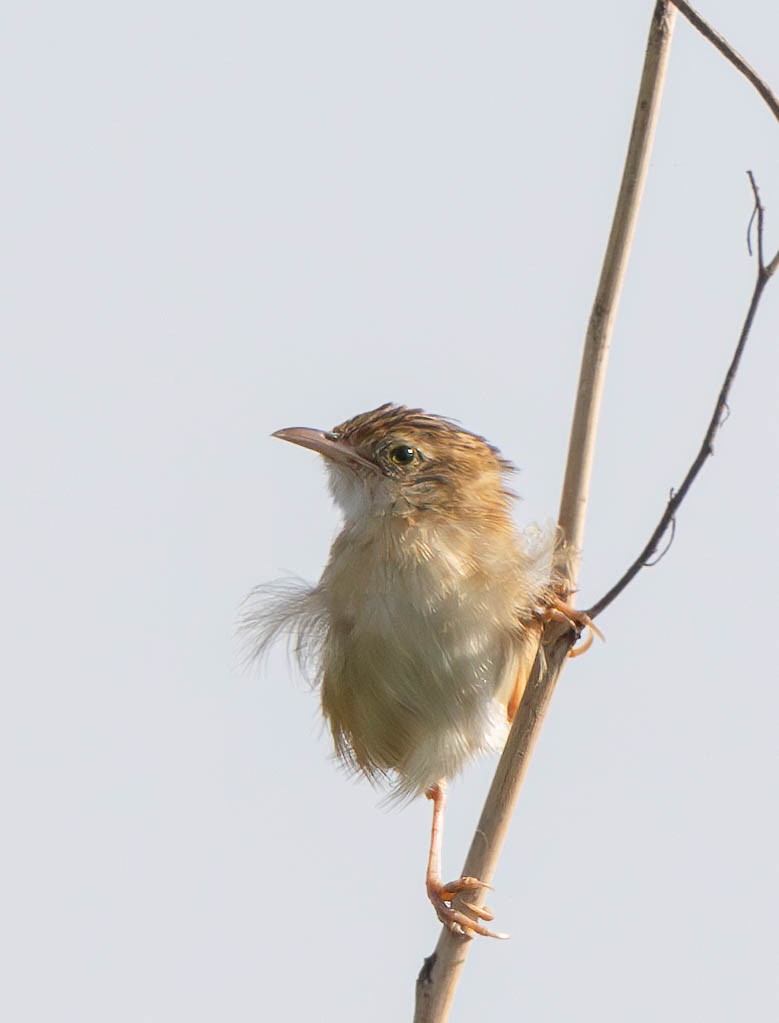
(402, 454)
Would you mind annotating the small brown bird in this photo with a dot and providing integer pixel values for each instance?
(421, 631)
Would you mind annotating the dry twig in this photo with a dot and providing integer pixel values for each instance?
(730, 54)
(719, 416)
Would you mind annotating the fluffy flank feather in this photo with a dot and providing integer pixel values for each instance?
(542, 559)
(290, 608)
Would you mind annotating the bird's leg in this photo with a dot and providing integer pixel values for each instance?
(440, 894)
(558, 610)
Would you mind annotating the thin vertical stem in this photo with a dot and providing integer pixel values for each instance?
(597, 343)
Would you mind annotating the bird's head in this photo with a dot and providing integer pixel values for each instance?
(396, 460)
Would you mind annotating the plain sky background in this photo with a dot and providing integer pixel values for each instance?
(222, 219)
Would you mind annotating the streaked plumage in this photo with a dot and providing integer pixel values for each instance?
(417, 632)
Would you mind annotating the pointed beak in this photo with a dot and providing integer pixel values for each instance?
(325, 444)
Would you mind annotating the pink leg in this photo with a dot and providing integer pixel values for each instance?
(440, 894)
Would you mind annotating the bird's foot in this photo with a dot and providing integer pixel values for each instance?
(441, 896)
(559, 611)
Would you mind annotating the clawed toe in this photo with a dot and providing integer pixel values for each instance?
(483, 912)
(462, 884)
(460, 923)
(559, 611)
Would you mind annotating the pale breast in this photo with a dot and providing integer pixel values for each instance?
(421, 655)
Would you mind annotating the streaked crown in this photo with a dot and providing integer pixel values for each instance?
(402, 459)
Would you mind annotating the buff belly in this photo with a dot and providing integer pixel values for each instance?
(417, 692)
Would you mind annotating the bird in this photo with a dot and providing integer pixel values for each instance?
(425, 623)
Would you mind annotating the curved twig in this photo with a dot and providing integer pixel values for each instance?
(666, 549)
(730, 54)
(764, 274)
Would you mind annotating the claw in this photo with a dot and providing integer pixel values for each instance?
(483, 912)
(582, 648)
(463, 884)
(458, 922)
(559, 611)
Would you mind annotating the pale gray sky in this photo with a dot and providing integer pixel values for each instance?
(219, 220)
